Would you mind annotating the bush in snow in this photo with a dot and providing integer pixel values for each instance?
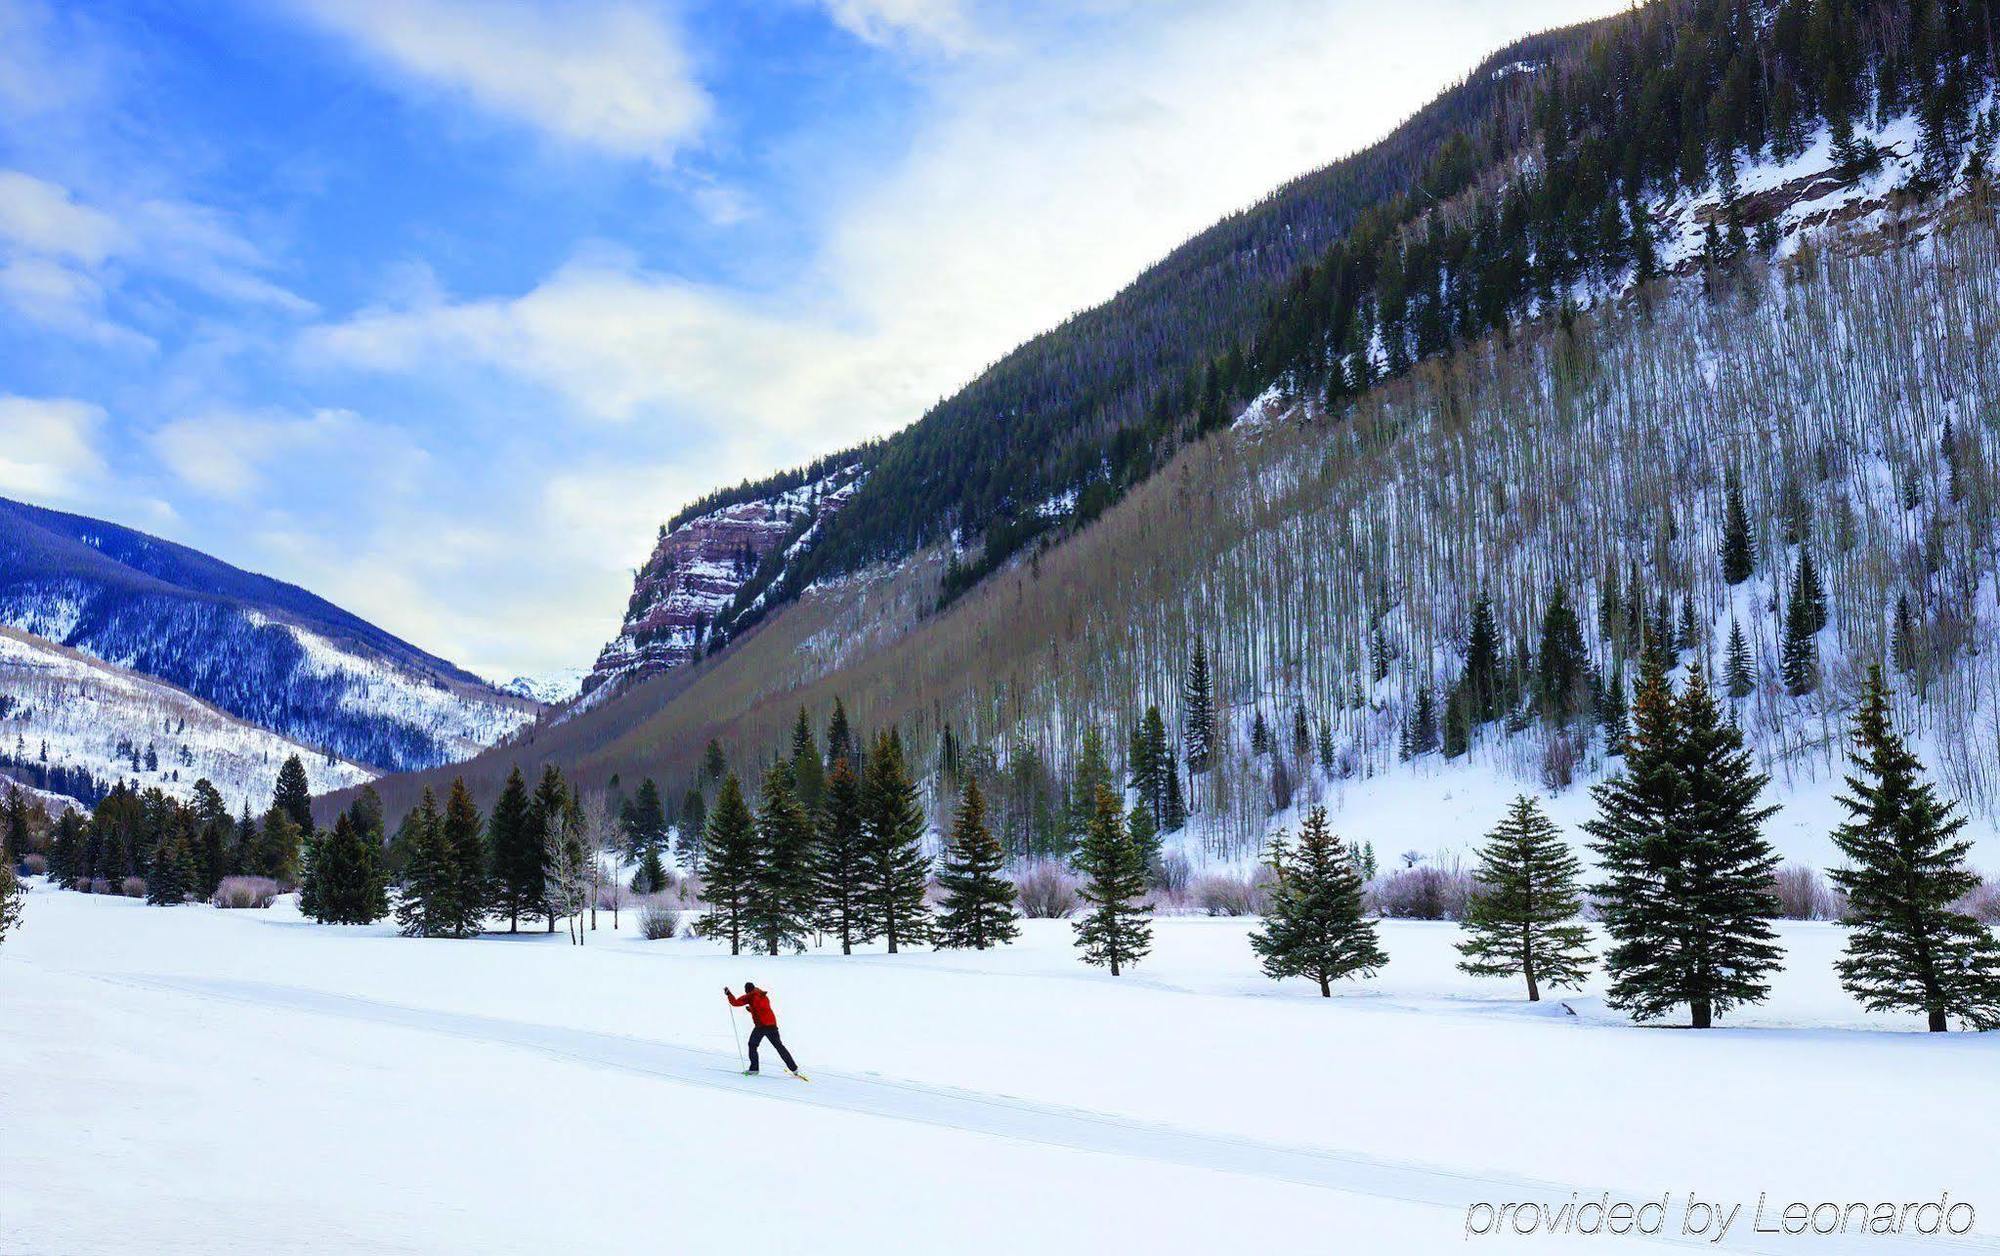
(1047, 891)
(245, 892)
(36, 865)
(1218, 894)
(1802, 894)
(1422, 893)
(659, 921)
(1982, 903)
(133, 887)
(1170, 873)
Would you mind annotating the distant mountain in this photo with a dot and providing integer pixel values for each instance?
(73, 726)
(267, 652)
(551, 689)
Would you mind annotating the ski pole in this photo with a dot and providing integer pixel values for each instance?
(735, 1033)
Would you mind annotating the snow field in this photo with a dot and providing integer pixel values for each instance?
(191, 1079)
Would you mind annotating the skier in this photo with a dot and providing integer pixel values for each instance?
(764, 1024)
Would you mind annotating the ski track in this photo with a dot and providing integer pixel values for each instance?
(1003, 1116)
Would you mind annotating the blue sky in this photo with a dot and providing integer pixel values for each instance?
(439, 307)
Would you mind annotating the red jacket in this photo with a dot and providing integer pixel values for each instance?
(759, 1004)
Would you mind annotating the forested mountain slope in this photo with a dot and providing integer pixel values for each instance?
(265, 651)
(73, 726)
(1762, 306)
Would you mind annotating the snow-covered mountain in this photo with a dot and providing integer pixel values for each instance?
(709, 574)
(548, 689)
(73, 726)
(267, 652)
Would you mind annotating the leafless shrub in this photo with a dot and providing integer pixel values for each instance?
(1983, 902)
(690, 889)
(245, 892)
(98, 885)
(133, 887)
(1047, 891)
(37, 865)
(1263, 883)
(1433, 893)
(658, 921)
(1171, 873)
(1560, 758)
(1802, 894)
(1219, 894)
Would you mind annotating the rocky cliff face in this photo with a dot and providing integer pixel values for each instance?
(709, 573)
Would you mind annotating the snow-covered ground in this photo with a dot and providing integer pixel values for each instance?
(190, 1079)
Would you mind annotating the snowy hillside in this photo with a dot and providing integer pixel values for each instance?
(75, 726)
(267, 652)
(1193, 1106)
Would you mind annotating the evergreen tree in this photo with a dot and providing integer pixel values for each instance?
(840, 887)
(1739, 552)
(343, 882)
(424, 907)
(644, 820)
(1113, 932)
(1260, 734)
(12, 899)
(778, 909)
(516, 845)
(713, 765)
(243, 851)
(1686, 891)
(171, 872)
(1798, 659)
(66, 850)
(1198, 713)
(840, 739)
(1615, 712)
(549, 809)
(1522, 919)
(1092, 771)
(729, 867)
(651, 875)
(895, 869)
(1315, 927)
(1741, 672)
(1482, 663)
(1903, 637)
(468, 890)
(1563, 664)
(978, 907)
(693, 828)
(213, 830)
(277, 847)
(293, 795)
(1152, 762)
(1907, 947)
(1301, 739)
(1173, 809)
(808, 769)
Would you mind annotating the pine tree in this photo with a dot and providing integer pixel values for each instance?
(1301, 738)
(713, 765)
(1739, 552)
(66, 850)
(808, 769)
(1798, 659)
(895, 869)
(171, 872)
(343, 882)
(1151, 762)
(1903, 637)
(293, 795)
(1260, 734)
(549, 810)
(778, 910)
(516, 846)
(1173, 809)
(1686, 891)
(1114, 932)
(468, 891)
(277, 848)
(840, 739)
(644, 820)
(840, 889)
(692, 827)
(978, 907)
(1198, 713)
(1741, 672)
(1315, 927)
(213, 830)
(12, 900)
(1907, 947)
(1522, 919)
(1482, 663)
(1091, 771)
(421, 902)
(1615, 714)
(1563, 664)
(729, 867)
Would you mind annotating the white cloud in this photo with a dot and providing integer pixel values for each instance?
(48, 446)
(613, 77)
(943, 23)
(42, 217)
(228, 453)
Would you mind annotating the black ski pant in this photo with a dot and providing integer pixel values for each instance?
(770, 1032)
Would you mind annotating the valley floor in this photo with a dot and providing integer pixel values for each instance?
(194, 1080)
